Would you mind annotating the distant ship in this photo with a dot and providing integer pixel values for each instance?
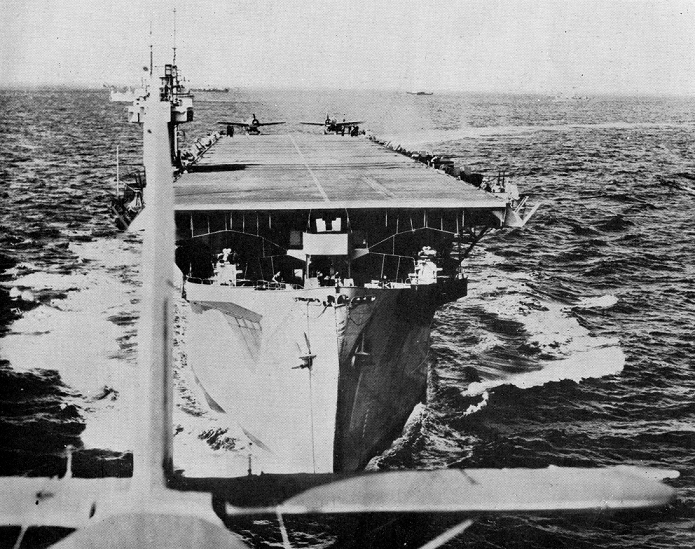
(127, 95)
(420, 93)
(562, 98)
(216, 90)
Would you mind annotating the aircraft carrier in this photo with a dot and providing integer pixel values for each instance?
(312, 329)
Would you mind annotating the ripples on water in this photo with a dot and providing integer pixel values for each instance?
(574, 347)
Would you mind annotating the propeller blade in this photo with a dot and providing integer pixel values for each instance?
(308, 346)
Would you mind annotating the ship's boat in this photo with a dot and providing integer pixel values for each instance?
(211, 90)
(128, 201)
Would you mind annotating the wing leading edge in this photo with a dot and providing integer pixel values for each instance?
(488, 491)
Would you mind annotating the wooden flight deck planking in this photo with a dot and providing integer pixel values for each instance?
(306, 171)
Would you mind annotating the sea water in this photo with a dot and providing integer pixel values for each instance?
(574, 346)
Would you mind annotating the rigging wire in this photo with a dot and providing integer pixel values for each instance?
(311, 391)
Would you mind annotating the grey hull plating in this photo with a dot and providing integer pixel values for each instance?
(383, 372)
(342, 406)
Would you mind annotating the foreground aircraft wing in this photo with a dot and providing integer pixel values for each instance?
(76, 503)
(269, 123)
(313, 123)
(108, 510)
(488, 491)
(351, 123)
(67, 503)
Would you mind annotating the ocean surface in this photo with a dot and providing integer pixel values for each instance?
(580, 326)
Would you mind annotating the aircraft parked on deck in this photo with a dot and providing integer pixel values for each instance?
(331, 125)
(251, 127)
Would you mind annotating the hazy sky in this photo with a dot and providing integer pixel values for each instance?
(580, 46)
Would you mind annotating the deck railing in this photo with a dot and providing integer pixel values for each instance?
(244, 283)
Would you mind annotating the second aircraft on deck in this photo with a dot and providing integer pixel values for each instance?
(251, 127)
(331, 125)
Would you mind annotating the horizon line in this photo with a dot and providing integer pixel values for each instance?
(23, 86)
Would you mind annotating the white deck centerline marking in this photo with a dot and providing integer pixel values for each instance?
(378, 187)
(306, 164)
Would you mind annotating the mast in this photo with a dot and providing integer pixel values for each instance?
(174, 60)
(151, 56)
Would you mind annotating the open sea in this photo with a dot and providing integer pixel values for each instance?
(580, 326)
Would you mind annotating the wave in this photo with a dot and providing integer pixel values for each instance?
(600, 302)
(86, 335)
(591, 363)
(426, 442)
(524, 339)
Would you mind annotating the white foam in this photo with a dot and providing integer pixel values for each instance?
(111, 424)
(414, 137)
(590, 363)
(40, 280)
(18, 269)
(109, 253)
(473, 408)
(197, 458)
(81, 347)
(600, 302)
(568, 350)
(76, 337)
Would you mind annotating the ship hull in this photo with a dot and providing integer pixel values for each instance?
(319, 380)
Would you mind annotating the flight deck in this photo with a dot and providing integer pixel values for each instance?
(301, 171)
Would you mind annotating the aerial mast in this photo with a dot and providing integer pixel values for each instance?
(174, 60)
(151, 55)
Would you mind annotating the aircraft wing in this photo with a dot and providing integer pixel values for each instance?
(242, 124)
(313, 123)
(488, 491)
(55, 502)
(82, 503)
(351, 123)
(269, 123)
